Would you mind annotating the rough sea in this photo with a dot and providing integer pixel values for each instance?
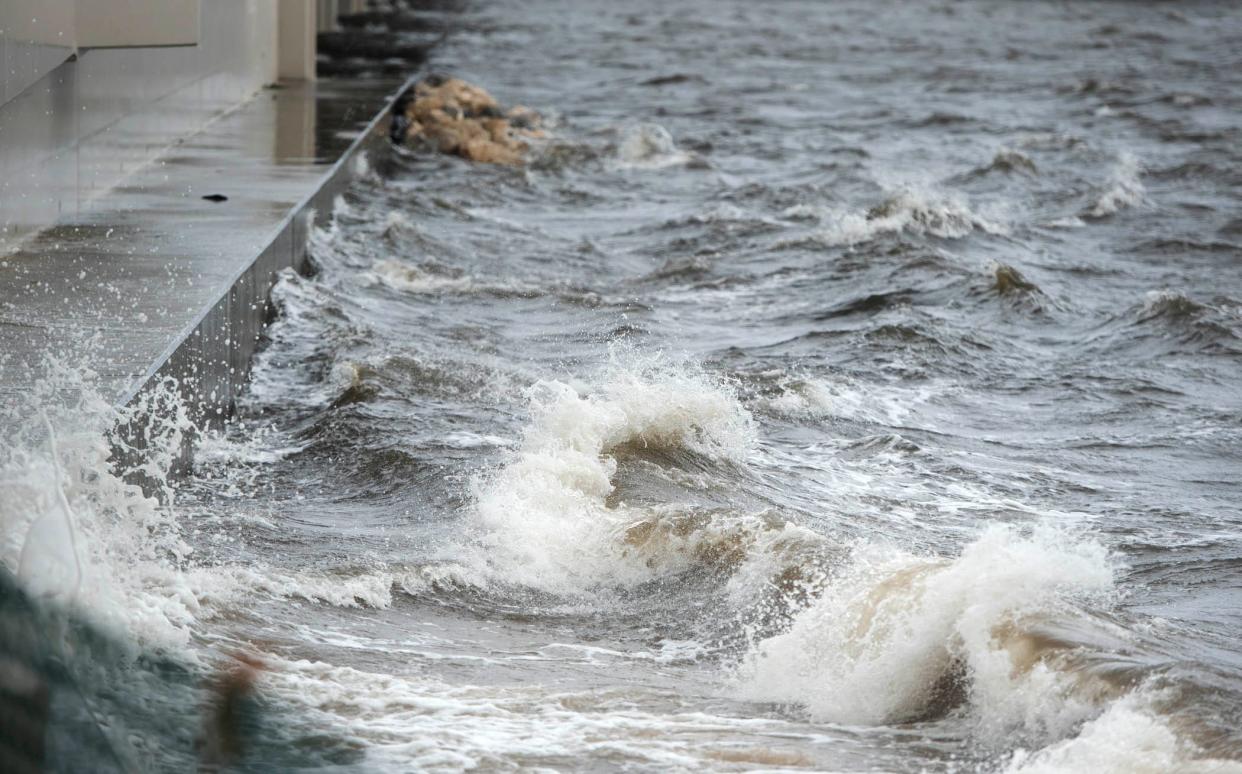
(842, 386)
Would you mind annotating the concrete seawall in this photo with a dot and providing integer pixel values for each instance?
(210, 359)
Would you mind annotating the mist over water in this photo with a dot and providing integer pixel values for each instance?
(842, 386)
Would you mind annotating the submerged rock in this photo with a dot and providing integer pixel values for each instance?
(1010, 280)
(461, 119)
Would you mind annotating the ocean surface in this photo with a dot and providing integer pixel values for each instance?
(842, 386)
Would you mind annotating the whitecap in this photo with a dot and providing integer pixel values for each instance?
(1125, 189)
(649, 146)
(912, 210)
(1128, 738)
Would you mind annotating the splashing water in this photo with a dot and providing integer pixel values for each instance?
(78, 534)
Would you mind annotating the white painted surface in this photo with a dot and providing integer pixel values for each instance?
(129, 23)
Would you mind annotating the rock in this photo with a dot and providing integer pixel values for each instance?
(461, 119)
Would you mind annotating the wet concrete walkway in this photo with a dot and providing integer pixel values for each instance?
(155, 279)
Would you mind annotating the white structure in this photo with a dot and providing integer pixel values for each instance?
(90, 90)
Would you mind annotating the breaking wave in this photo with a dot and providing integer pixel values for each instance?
(1128, 738)
(545, 518)
(222, 587)
(897, 637)
(411, 279)
(990, 637)
(1125, 189)
(909, 210)
(809, 397)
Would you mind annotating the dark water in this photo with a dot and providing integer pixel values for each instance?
(844, 386)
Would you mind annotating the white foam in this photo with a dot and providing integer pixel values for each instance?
(1069, 221)
(891, 625)
(1128, 738)
(1166, 300)
(462, 439)
(410, 722)
(648, 146)
(257, 447)
(772, 554)
(223, 586)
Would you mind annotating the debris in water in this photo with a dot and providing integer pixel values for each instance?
(224, 733)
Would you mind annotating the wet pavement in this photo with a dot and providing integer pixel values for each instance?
(153, 264)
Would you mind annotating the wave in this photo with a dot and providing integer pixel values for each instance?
(1170, 304)
(811, 212)
(1067, 222)
(402, 234)
(413, 721)
(808, 397)
(557, 155)
(221, 587)
(673, 79)
(77, 534)
(758, 552)
(911, 211)
(689, 267)
(997, 637)
(1183, 247)
(1125, 189)
(432, 279)
(1009, 160)
(1128, 738)
(545, 518)
(897, 637)
(721, 212)
(1215, 326)
(728, 218)
(1005, 161)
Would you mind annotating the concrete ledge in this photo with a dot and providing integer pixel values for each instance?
(155, 282)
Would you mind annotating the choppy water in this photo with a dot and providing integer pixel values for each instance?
(846, 386)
